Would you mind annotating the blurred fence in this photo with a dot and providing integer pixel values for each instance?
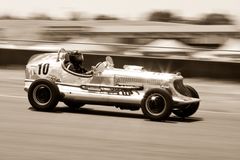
(188, 68)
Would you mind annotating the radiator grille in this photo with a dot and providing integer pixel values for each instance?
(179, 86)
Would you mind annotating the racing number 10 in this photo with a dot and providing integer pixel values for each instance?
(43, 68)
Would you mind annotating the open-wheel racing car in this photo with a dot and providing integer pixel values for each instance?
(48, 81)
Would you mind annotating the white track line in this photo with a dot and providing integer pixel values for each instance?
(11, 96)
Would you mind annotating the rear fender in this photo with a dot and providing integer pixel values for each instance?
(43, 70)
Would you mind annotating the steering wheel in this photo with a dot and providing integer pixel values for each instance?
(100, 66)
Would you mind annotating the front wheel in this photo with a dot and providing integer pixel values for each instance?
(43, 95)
(156, 104)
(188, 109)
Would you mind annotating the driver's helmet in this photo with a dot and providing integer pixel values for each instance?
(76, 57)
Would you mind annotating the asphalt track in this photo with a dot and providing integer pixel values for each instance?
(98, 132)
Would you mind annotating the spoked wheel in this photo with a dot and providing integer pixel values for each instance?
(188, 109)
(43, 95)
(156, 104)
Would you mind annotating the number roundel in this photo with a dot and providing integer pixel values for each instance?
(43, 68)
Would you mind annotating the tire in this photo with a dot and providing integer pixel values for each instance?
(43, 95)
(156, 104)
(188, 109)
(73, 104)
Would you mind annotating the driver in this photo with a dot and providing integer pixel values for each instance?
(75, 63)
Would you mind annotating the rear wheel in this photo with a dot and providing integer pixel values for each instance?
(156, 104)
(43, 95)
(188, 109)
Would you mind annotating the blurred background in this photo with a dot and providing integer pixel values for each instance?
(185, 30)
(199, 38)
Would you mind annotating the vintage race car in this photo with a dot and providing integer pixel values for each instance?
(48, 81)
